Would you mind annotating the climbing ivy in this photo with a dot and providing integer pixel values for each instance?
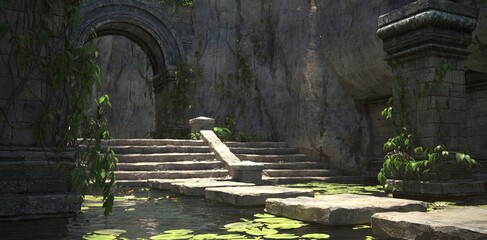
(58, 76)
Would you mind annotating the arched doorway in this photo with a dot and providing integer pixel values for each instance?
(143, 23)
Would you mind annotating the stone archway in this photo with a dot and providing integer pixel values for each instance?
(143, 23)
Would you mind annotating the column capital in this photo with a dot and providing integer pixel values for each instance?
(428, 28)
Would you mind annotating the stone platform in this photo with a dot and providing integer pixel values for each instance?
(165, 184)
(456, 223)
(253, 196)
(197, 188)
(340, 209)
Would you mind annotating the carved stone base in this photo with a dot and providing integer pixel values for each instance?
(430, 189)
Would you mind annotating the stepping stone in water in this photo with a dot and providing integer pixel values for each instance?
(340, 209)
(198, 188)
(165, 184)
(253, 196)
(456, 223)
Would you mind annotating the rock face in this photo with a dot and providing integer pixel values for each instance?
(288, 70)
(340, 209)
(126, 76)
(458, 223)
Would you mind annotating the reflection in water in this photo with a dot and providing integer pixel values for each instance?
(145, 218)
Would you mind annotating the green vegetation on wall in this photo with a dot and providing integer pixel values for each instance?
(44, 55)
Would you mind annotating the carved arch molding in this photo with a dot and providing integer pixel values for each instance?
(143, 23)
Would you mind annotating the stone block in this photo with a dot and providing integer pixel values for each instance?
(197, 188)
(456, 223)
(340, 209)
(14, 205)
(247, 171)
(436, 189)
(201, 123)
(253, 196)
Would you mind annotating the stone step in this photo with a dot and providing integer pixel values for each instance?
(273, 158)
(253, 196)
(164, 157)
(263, 151)
(154, 142)
(295, 165)
(454, 223)
(160, 149)
(197, 188)
(339, 209)
(22, 205)
(162, 166)
(299, 172)
(257, 144)
(141, 175)
(28, 185)
(131, 183)
(333, 179)
(165, 184)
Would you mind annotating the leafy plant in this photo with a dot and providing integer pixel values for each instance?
(223, 133)
(400, 161)
(45, 57)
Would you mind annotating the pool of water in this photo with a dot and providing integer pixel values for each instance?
(154, 212)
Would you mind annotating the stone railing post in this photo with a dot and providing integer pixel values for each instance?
(242, 171)
(426, 44)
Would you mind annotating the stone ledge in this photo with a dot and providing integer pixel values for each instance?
(15, 205)
(340, 209)
(457, 223)
(253, 196)
(435, 189)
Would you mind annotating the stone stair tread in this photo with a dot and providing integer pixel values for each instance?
(274, 157)
(164, 157)
(293, 165)
(131, 183)
(264, 151)
(160, 149)
(160, 166)
(140, 175)
(165, 184)
(154, 142)
(332, 179)
(256, 144)
(299, 172)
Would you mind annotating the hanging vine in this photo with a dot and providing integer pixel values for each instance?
(46, 67)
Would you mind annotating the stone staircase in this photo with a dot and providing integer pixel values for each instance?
(282, 164)
(143, 159)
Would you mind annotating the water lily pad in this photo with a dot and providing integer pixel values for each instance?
(248, 224)
(109, 231)
(277, 220)
(93, 198)
(179, 231)
(264, 215)
(231, 236)
(361, 227)
(281, 236)
(286, 225)
(261, 232)
(205, 236)
(243, 229)
(316, 236)
(369, 238)
(99, 237)
(171, 237)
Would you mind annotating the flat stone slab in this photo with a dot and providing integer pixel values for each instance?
(455, 223)
(253, 196)
(193, 188)
(340, 209)
(165, 184)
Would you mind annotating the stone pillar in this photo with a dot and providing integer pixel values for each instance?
(201, 123)
(426, 44)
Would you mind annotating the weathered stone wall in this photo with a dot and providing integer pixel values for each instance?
(126, 76)
(307, 73)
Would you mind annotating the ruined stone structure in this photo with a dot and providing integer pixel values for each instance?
(312, 73)
(291, 72)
